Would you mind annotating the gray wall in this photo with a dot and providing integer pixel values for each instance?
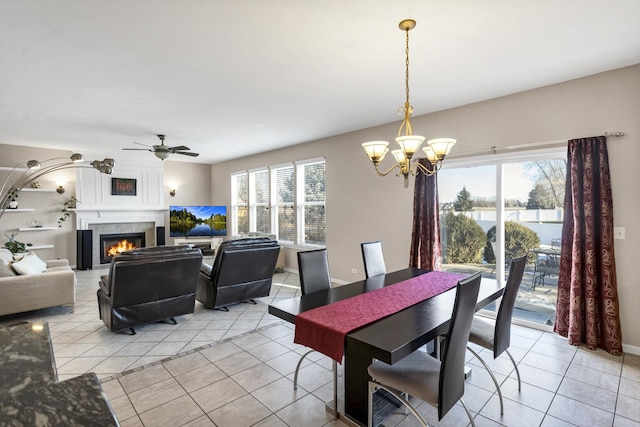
(362, 206)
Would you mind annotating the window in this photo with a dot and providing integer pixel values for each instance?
(311, 200)
(285, 200)
(239, 203)
(259, 201)
(495, 210)
(283, 203)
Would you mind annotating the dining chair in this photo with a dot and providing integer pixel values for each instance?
(497, 336)
(373, 259)
(437, 382)
(313, 269)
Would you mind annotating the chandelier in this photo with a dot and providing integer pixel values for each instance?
(24, 174)
(436, 149)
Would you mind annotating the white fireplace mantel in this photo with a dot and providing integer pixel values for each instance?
(85, 217)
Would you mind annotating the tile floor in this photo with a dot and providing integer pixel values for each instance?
(235, 369)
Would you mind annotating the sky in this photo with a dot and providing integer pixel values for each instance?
(481, 182)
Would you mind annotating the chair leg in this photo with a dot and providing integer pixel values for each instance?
(373, 385)
(515, 365)
(372, 388)
(464, 405)
(295, 376)
(493, 377)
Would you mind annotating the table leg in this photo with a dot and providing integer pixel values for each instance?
(356, 381)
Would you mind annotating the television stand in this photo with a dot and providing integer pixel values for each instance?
(208, 246)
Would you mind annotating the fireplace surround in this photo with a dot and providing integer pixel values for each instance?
(118, 221)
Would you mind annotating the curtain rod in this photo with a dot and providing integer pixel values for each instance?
(494, 149)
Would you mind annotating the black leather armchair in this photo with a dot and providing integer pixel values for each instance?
(148, 285)
(242, 270)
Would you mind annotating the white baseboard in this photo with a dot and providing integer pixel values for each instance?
(631, 349)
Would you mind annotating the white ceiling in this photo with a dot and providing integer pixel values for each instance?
(236, 77)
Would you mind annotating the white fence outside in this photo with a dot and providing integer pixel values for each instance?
(546, 223)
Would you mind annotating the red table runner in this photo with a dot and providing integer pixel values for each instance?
(324, 328)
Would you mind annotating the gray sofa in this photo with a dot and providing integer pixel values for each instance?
(56, 286)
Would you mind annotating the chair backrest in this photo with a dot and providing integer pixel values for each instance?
(502, 332)
(151, 274)
(373, 259)
(313, 268)
(451, 386)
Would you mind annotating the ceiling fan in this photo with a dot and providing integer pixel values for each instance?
(162, 151)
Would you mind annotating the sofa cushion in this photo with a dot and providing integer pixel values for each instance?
(29, 264)
(6, 257)
(6, 270)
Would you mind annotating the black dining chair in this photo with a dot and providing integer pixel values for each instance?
(437, 382)
(373, 258)
(497, 336)
(313, 269)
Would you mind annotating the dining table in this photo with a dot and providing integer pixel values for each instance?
(388, 339)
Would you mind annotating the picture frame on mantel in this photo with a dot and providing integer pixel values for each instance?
(123, 186)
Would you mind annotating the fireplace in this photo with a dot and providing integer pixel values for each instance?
(113, 244)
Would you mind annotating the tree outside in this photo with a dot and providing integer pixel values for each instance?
(463, 202)
(465, 240)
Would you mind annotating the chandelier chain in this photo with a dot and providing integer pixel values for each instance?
(406, 73)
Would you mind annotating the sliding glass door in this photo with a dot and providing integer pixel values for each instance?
(494, 210)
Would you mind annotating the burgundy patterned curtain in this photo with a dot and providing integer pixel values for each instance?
(426, 251)
(587, 308)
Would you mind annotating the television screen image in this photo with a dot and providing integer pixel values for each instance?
(197, 221)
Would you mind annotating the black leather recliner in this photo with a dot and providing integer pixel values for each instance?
(242, 270)
(148, 285)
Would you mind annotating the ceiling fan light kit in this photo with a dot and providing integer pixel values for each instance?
(162, 151)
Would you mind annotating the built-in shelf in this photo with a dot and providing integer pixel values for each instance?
(40, 190)
(9, 169)
(36, 228)
(35, 247)
(19, 210)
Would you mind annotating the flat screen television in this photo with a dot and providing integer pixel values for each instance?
(197, 221)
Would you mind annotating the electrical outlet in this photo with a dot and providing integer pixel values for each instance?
(618, 233)
(354, 270)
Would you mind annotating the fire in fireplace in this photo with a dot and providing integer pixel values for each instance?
(114, 244)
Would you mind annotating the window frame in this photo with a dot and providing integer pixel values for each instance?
(275, 206)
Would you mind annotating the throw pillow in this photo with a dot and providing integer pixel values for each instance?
(29, 264)
(35, 259)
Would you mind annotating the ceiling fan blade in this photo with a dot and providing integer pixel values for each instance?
(185, 153)
(141, 144)
(179, 148)
(137, 149)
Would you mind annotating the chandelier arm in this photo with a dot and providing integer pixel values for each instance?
(397, 165)
(418, 167)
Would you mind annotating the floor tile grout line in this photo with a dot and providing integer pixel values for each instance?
(191, 351)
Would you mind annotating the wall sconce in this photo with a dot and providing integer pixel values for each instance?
(172, 193)
(60, 189)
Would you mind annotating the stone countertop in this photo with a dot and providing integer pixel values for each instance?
(29, 392)
(78, 401)
(26, 357)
